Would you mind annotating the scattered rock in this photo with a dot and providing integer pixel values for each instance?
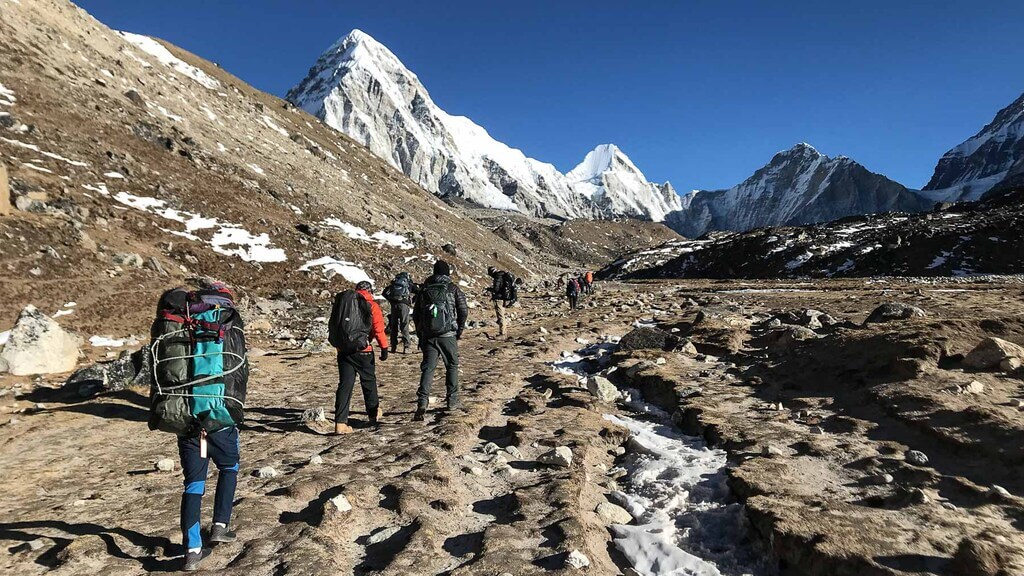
(881, 479)
(991, 352)
(341, 503)
(313, 415)
(382, 535)
(491, 448)
(561, 456)
(916, 457)
(38, 345)
(129, 259)
(514, 452)
(648, 339)
(611, 514)
(316, 459)
(602, 388)
(619, 451)
(165, 465)
(974, 387)
(266, 472)
(131, 368)
(997, 492)
(788, 336)
(891, 311)
(982, 555)
(577, 560)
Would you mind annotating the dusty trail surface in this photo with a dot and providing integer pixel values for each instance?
(816, 429)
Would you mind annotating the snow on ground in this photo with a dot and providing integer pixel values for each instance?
(164, 56)
(32, 166)
(4, 337)
(347, 270)
(7, 96)
(106, 342)
(380, 237)
(229, 239)
(99, 187)
(114, 175)
(273, 126)
(255, 168)
(35, 148)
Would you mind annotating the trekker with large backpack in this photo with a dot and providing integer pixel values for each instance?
(440, 314)
(355, 320)
(504, 294)
(399, 296)
(572, 292)
(200, 374)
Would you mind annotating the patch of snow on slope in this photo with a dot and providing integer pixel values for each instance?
(7, 97)
(380, 237)
(229, 239)
(347, 270)
(164, 56)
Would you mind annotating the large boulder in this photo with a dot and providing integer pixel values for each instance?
(991, 352)
(38, 345)
(648, 338)
(891, 311)
(129, 369)
(788, 337)
(602, 388)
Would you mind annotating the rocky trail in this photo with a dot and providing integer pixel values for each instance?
(800, 461)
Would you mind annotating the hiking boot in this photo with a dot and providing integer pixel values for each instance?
(419, 415)
(405, 347)
(192, 560)
(220, 533)
(342, 428)
(377, 415)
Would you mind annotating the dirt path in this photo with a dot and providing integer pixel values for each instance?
(82, 494)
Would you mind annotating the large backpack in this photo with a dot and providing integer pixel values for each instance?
(199, 363)
(437, 310)
(349, 328)
(572, 287)
(508, 286)
(399, 289)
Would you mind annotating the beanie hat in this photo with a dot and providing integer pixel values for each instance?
(364, 285)
(442, 268)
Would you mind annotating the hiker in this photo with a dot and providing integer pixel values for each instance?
(356, 319)
(588, 280)
(572, 292)
(504, 293)
(198, 392)
(440, 315)
(399, 296)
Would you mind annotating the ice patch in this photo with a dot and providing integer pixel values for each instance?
(381, 238)
(64, 312)
(99, 187)
(347, 270)
(164, 56)
(106, 342)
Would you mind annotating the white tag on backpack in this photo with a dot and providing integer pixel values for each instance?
(202, 445)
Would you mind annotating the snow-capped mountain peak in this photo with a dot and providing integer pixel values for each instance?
(972, 168)
(361, 88)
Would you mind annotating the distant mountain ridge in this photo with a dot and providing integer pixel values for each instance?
(361, 88)
(798, 186)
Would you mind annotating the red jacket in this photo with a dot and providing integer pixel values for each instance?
(377, 330)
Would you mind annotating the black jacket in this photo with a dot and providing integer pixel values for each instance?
(461, 307)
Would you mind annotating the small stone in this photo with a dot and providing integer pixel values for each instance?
(314, 415)
(560, 456)
(770, 450)
(514, 452)
(165, 465)
(619, 450)
(475, 470)
(266, 472)
(661, 361)
(382, 535)
(881, 479)
(997, 492)
(616, 473)
(918, 496)
(491, 448)
(498, 460)
(547, 393)
(341, 503)
(36, 545)
(543, 330)
(611, 514)
(974, 387)
(602, 388)
(949, 505)
(916, 457)
(577, 560)
(316, 459)
(817, 430)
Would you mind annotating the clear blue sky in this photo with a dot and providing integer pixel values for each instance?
(699, 93)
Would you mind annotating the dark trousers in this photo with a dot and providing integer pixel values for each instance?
(573, 301)
(362, 364)
(447, 349)
(398, 321)
(222, 447)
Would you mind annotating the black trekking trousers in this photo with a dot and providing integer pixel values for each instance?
(447, 349)
(399, 322)
(362, 364)
(573, 301)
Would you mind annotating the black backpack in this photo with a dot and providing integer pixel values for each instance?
(437, 311)
(349, 328)
(399, 289)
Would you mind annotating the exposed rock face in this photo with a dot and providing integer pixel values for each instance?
(648, 339)
(560, 456)
(798, 186)
(129, 369)
(362, 89)
(38, 345)
(891, 311)
(991, 352)
(974, 167)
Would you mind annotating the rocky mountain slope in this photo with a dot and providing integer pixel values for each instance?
(798, 186)
(984, 161)
(132, 162)
(961, 239)
(361, 88)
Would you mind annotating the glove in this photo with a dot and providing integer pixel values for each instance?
(383, 354)
(458, 334)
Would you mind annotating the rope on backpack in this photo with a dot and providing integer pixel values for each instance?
(173, 390)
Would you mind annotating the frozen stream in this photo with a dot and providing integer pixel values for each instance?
(685, 520)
